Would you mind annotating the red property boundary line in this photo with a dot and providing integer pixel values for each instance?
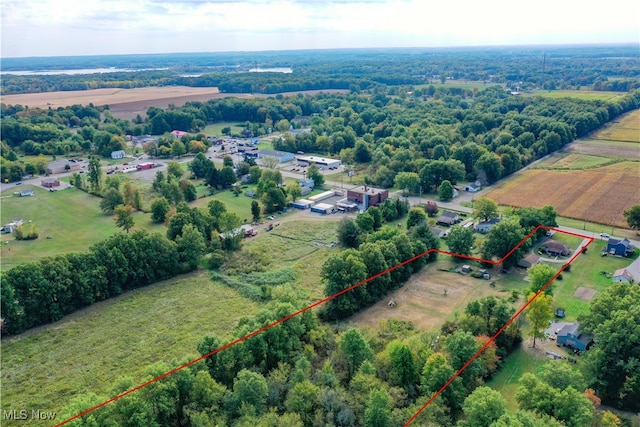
(329, 298)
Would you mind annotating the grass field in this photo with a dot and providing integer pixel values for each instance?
(506, 380)
(90, 349)
(215, 129)
(597, 195)
(462, 84)
(589, 95)
(574, 161)
(66, 220)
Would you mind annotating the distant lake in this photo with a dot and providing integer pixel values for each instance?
(77, 72)
(285, 70)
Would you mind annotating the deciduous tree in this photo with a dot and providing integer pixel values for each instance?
(445, 191)
(486, 208)
(460, 240)
(539, 314)
(633, 216)
(124, 217)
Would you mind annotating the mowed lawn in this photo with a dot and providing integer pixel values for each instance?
(90, 349)
(506, 379)
(66, 220)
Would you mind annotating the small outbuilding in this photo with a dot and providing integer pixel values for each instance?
(50, 182)
(27, 193)
(529, 261)
(302, 204)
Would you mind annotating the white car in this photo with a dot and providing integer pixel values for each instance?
(604, 235)
(271, 217)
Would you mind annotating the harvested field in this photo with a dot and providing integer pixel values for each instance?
(586, 294)
(574, 161)
(127, 103)
(612, 149)
(598, 195)
(624, 128)
(422, 299)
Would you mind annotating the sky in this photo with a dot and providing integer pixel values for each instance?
(100, 27)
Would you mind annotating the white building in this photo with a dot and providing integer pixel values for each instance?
(320, 161)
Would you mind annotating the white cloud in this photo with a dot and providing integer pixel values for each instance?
(52, 27)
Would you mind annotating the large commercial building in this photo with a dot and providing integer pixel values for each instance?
(320, 161)
(366, 196)
(281, 156)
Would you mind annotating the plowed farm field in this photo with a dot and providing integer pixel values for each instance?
(598, 195)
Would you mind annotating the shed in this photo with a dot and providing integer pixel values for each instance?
(529, 261)
(622, 275)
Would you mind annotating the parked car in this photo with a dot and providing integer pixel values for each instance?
(271, 217)
(604, 235)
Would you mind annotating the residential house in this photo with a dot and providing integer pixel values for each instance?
(473, 188)
(570, 336)
(26, 193)
(554, 248)
(484, 226)
(621, 247)
(179, 133)
(50, 182)
(529, 261)
(118, 154)
(439, 233)
(631, 274)
(448, 218)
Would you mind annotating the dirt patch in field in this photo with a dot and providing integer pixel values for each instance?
(422, 300)
(586, 294)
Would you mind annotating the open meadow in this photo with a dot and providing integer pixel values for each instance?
(84, 352)
(589, 95)
(67, 220)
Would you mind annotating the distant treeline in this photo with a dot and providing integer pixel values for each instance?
(593, 67)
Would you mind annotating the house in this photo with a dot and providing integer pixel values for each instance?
(529, 261)
(305, 190)
(50, 182)
(118, 154)
(27, 193)
(555, 248)
(621, 247)
(484, 226)
(366, 196)
(622, 275)
(473, 188)
(10, 228)
(569, 335)
(448, 218)
(178, 133)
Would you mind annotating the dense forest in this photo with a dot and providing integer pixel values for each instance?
(549, 67)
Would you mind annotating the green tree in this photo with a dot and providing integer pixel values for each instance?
(254, 174)
(294, 190)
(539, 314)
(483, 407)
(226, 177)
(314, 173)
(460, 240)
(94, 175)
(407, 181)
(416, 217)
(255, 211)
(436, 373)
(445, 191)
(502, 238)
(539, 276)
(124, 217)
(612, 364)
(159, 209)
(251, 388)
(376, 214)
(227, 161)
(633, 216)
(174, 169)
(110, 200)
(201, 166)
(269, 162)
(177, 148)
(365, 222)
(302, 399)
(378, 411)
(349, 233)
(355, 348)
(403, 368)
(489, 166)
(191, 246)
(486, 208)
(389, 210)
(188, 190)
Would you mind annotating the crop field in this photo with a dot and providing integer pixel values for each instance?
(597, 195)
(90, 349)
(66, 220)
(625, 128)
(574, 161)
(611, 149)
